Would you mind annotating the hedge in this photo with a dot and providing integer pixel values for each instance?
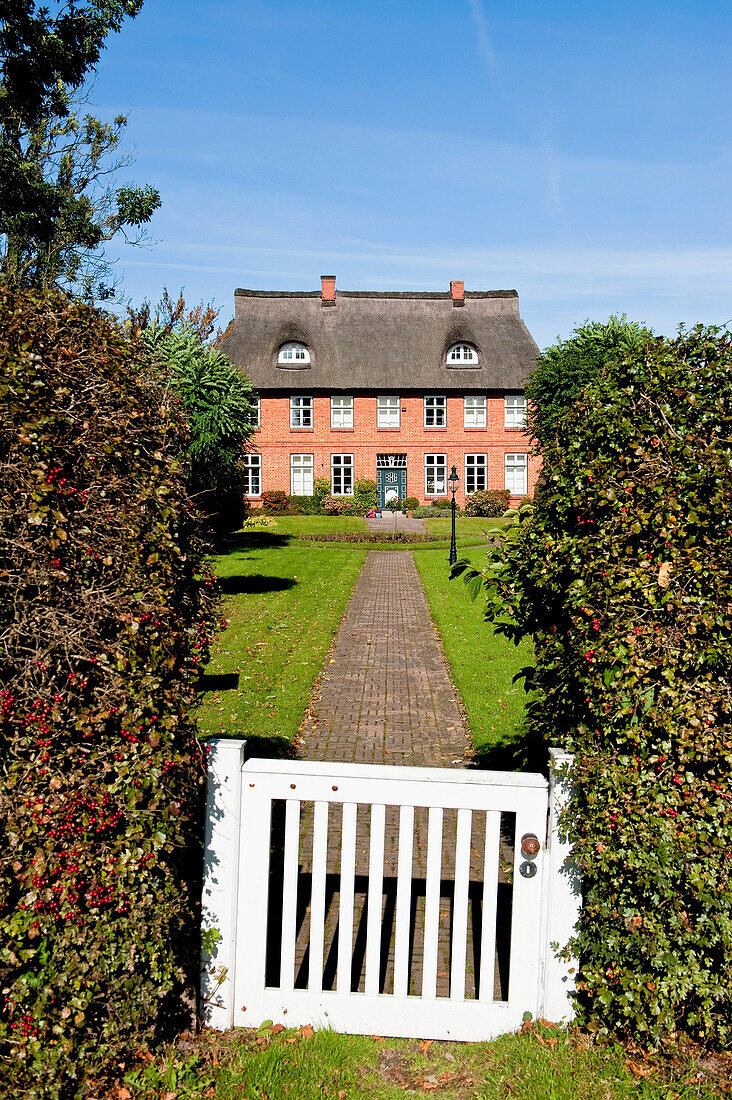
(622, 575)
(107, 610)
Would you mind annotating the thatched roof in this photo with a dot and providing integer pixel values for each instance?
(381, 341)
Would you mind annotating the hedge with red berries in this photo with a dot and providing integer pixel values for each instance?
(622, 575)
(106, 611)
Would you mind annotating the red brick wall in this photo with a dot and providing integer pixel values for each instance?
(275, 441)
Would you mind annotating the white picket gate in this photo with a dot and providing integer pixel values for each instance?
(311, 931)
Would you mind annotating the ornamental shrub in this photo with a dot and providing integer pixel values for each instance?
(106, 608)
(441, 502)
(332, 506)
(487, 502)
(321, 488)
(622, 575)
(365, 493)
(303, 506)
(274, 500)
(410, 503)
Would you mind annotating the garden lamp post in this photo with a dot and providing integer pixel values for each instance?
(453, 482)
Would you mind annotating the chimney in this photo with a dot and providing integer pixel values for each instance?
(457, 292)
(327, 290)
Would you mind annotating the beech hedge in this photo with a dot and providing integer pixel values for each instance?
(622, 576)
(106, 611)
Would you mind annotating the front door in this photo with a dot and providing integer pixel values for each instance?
(391, 485)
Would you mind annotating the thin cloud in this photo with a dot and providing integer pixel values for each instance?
(485, 46)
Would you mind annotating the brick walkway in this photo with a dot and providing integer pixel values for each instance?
(385, 696)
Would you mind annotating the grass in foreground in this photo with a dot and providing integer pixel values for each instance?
(284, 601)
(482, 662)
(542, 1062)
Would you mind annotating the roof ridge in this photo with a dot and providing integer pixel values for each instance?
(439, 295)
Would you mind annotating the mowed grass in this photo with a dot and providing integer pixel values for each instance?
(284, 601)
(475, 528)
(541, 1063)
(482, 662)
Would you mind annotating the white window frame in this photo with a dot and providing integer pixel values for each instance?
(252, 470)
(302, 466)
(387, 408)
(516, 473)
(475, 410)
(515, 410)
(341, 416)
(343, 471)
(301, 410)
(435, 404)
(461, 355)
(254, 419)
(435, 462)
(293, 355)
(476, 472)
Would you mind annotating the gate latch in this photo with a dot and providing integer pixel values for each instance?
(530, 846)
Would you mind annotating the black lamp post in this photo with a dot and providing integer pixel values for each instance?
(453, 482)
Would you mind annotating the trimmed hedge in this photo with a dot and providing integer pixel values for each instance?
(622, 575)
(487, 502)
(106, 608)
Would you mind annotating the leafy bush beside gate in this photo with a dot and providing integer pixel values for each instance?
(623, 576)
(106, 609)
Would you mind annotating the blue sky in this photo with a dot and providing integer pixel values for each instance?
(580, 153)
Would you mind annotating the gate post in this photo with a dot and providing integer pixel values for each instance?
(225, 757)
(563, 899)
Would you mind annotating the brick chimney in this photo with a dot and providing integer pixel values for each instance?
(327, 290)
(457, 292)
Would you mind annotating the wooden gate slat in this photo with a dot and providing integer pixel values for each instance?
(317, 896)
(345, 907)
(289, 894)
(403, 901)
(375, 893)
(489, 906)
(432, 903)
(460, 905)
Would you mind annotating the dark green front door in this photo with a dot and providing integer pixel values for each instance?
(390, 483)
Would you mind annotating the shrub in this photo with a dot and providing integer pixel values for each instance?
(321, 488)
(258, 522)
(525, 500)
(487, 502)
(332, 506)
(304, 506)
(274, 500)
(365, 493)
(441, 502)
(623, 579)
(410, 503)
(107, 609)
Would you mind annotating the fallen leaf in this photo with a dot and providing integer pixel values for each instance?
(170, 1095)
(638, 1070)
(341, 1094)
(425, 1045)
(307, 1031)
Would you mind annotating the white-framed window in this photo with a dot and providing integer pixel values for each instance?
(435, 475)
(301, 475)
(341, 412)
(293, 355)
(462, 355)
(388, 462)
(252, 475)
(435, 412)
(476, 473)
(387, 411)
(254, 419)
(341, 475)
(301, 412)
(516, 467)
(515, 406)
(475, 410)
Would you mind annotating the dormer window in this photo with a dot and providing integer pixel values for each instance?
(462, 355)
(293, 355)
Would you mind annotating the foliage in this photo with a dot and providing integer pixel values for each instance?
(441, 502)
(258, 522)
(563, 370)
(622, 574)
(487, 502)
(305, 506)
(216, 399)
(365, 493)
(106, 609)
(410, 503)
(321, 488)
(56, 208)
(274, 500)
(332, 506)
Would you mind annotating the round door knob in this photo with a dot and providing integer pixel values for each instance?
(530, 846)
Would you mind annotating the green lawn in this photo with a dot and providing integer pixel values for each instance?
(284, 600)
(544, 1063)
(482, 663)
(466, 527)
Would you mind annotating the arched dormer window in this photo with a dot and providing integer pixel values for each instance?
(462, 355)
(293, 355)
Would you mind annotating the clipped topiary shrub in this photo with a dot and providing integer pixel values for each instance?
(623, 577)
(106, 605)
(365, 493)
(487, 502)
(274, 500)
(441, 502)
(410, 503)
(304, 506)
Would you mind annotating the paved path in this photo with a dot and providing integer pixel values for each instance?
(385, 696)
(394, 521)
